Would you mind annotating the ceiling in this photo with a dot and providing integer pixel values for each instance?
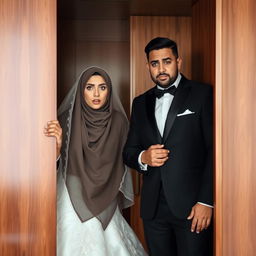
(122, 9)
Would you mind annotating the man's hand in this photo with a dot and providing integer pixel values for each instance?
(201, 216)
(155, 155)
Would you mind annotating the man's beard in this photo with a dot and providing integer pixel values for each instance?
(167, 83)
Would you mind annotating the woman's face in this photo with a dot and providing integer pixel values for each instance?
(95, 92)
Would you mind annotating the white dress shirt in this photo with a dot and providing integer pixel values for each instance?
(161, 110)
(162, 107)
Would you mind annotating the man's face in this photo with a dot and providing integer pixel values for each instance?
(163, 66)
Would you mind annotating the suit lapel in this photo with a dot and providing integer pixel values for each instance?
(150, 107)
(178, 101)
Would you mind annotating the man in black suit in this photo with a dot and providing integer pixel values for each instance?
(170, 143)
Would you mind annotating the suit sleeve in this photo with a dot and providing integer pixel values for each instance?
(206, 189)
(133, 147)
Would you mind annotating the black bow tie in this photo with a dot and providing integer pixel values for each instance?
(160, 93)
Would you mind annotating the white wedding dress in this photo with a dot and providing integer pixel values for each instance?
(75, 238)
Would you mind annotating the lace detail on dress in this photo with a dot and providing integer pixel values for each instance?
(75, 238)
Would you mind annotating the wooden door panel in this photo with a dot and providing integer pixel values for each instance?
(28, 100)
(235, 127)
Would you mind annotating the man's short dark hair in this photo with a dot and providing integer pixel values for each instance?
(160, 43)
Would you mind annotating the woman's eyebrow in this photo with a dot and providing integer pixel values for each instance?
(94, 84)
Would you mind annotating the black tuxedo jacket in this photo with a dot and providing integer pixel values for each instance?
(186, 176)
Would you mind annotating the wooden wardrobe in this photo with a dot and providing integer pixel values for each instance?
(44, 47)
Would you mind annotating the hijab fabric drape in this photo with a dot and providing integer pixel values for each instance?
(91, 155)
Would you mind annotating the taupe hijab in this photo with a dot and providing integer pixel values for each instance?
(92, 153)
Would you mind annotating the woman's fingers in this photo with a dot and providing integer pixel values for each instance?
(53, 129)
(53, 122)
(54, 126)
(50, 130)
(53, 134)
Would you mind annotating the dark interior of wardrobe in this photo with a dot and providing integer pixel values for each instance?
(97, 33)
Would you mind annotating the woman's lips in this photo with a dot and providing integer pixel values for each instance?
(96, 102)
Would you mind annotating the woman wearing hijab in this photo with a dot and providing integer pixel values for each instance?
(93, 183)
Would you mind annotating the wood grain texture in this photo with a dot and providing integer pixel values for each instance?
(218, 218)
(236, 126)
(203, 41)
(143, 29)
(78, 9)
(27, 159)
(203, 61)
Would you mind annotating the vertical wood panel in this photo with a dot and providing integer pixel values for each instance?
(219, 137)
(143, 29)
(203, 61)
(203, 41)
(236, 126)
(27, 159)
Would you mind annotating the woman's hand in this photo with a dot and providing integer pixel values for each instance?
(53, 129)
